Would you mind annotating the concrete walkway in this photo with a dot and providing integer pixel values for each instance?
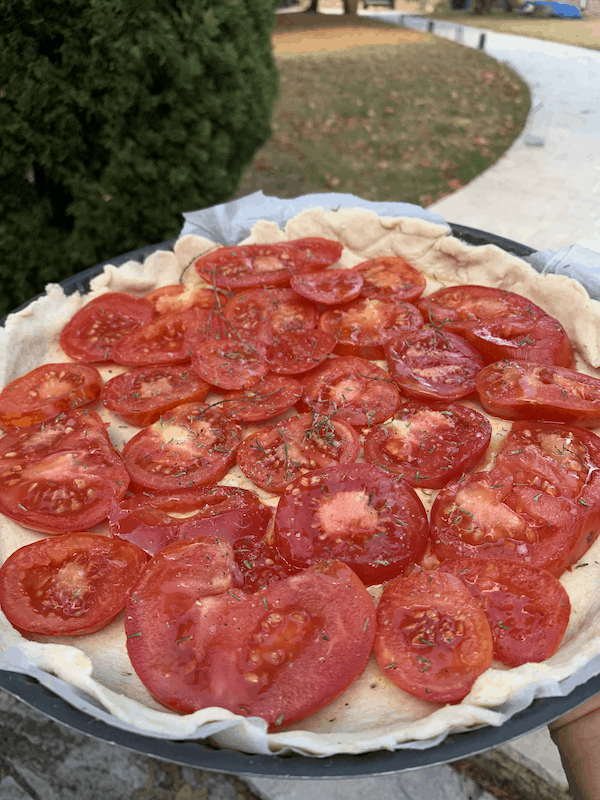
(544, 192)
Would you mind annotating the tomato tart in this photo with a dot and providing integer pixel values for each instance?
(341, 481)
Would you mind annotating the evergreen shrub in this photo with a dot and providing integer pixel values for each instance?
(115, 117)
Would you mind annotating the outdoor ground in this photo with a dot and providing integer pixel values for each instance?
(382, 112)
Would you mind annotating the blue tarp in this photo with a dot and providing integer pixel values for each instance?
(557, 9)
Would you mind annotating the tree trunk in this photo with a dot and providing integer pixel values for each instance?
(351, 7)
(312, 9)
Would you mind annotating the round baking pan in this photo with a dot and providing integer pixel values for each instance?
(201, 755)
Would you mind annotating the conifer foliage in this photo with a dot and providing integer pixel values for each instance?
(115, 117)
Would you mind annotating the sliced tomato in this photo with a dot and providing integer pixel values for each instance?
(60, 476)
(427, 447)
(520, 389)
(259, 563)
(356, 513)
(330, 287)
(142, 395)
(72, 585)
(193, 445)
(353, 390)
(92, 332)
(46, 392)
(254, 265)
(161, 341)
(196, 643)
(363, 326)
(386, 276)
(528, 608)
(268, 398)
(177, 297)
(433, 640)
(295, 352)
(265, 313)
(433, 365)
(471, 305)
(230, 363)
(499, 324)
(498, 514)
(153, 521)
(277, 454)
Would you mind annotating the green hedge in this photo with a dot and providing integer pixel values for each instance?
(116, 116)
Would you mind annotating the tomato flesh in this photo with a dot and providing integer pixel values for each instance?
(196, 643)
(230, 363)
(433, 640)
(528, 608)
(268, 398)
(363, 326)
(72, 585)
(60, 476)
(192, 446)
(140, 396)
(93, 331)
(427, 447)
(499, 324)
(177, 297)
(540, 504)
(46, 392)
(352, 390)
(295, 352)
(520, 389)
(433, 366)
(356, 513)
(162, 341)
(154, 521)
(330, 287)
(385, 276)
(255, 265)
(278, 454)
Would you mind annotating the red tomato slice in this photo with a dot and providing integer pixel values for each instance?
(230, 363)
(429, 446)
(433, 640)
(253, 265)
(356, 513)
(295, 352)
(268, 398)
(177, 297)
(161, 341)
(499, 324)
(277, 454)
(472, 305)
(527, 608)
(60, 476)
(264, 313)
(526, 509)
(386, 276)
(352, 390)
(72, 585)
(520, 389)
(94, 330)
(154, 521)
(331, 287)
(255, 655)
(46, 392)
(192, 446)
(430, 365)
(259, 564)
(142, 395)
(363, 326)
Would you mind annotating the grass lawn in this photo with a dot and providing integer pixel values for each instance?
(579, 32)
(412, 118)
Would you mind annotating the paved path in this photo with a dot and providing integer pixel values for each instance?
(545, 191)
